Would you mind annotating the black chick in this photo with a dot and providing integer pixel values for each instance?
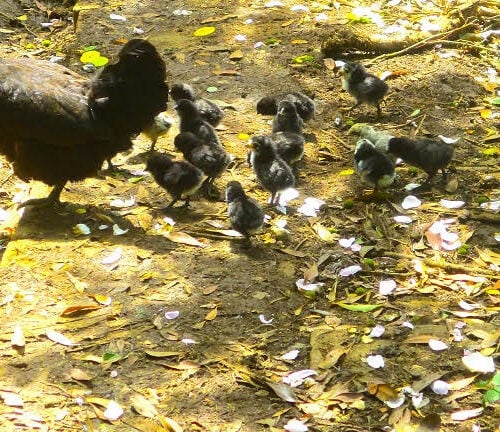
(287, 119)
(363, 86)
(427, 154)
(209, 111)
(305, 106)
(288, 145)
(191, 121)
(245, 214)
(271, 170)
(179, 178)
(57, 126)
(373, 166)
(211, 159)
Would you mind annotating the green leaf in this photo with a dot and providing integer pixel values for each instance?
(306, 58)
(359, 307)
(495, 101)
(491, 151)
(353, 18)
(135, 179)
(212, 89)
(415, 113)
(90, 48)
(111, 357)
(496, 379)
(491, 396)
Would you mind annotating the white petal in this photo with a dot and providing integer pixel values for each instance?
(408, 325)
(119, 203)
(274, 3)
(297, 378)
(349, 271)
(476, 362)
(491, 205)
(188, 341)
(113, 411)
(295, 425)
(448, 140)
(468, 306)
(113, 257)
(240, 38)
(375, 361)
(448, 236)
(386, 287)
(263, 319)
(321, 17)
(440, 387)
(403, 219)
(419, 401)
(451, 204)
(116, 17)
(356, 247)
(437, 345)
(288, 195)
(81, 229)
(411, 202)
(346, 243)
(466, 414)
(138, 31)
(410, 186)
(339, 63)
(258, 45)
(102, 227)
(169, 221)
(170, 315)
(182, 12)
(291, 355)
(299, 8)
(377, 331)
(118, 231)
(311, 206)
(302, 286)
(457, 335)
(396, 403)
(451, 246)
(4, 214)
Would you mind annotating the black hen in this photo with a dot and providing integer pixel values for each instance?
(191, 121)
(271, 170)
(287, 119)
(209, 111)
(364, 87)
(129, 94)
(305, 106)
(57, 126)
(373, 166)
(179, 178)
(211, 159)
(427, 154)
(245, 214)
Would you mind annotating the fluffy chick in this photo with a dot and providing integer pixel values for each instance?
(245, 214)
(288, 145)
(364, 87)
(305, 106)
(191, 121)
(179, 178)
(425, 153)
(287, 118)
(271, 170)
(211, 159)
(209, 111)
(373, 166)
(160, 126)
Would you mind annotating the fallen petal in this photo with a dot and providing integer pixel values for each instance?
(295, 425)
(118, 231)
(170, 315)
(263, 319)
(411, 202)
(468, 306)
(440, 387)
(188, 341)
(386, 287)
(437, 345)
(377, 331)
(349, 271)
(291, 355)
(403, 219)
(302, 286)
(451, 204)
(375, 361)
(297, 378)
(114, 411)
(448, 140)
(113, 257)
(347, 243)
(476, 362)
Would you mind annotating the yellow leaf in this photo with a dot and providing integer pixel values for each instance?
(486, 113)
(204, 31)
(211, 315)
(243, 136)
(90, 56)
(346, 172)
(22, 18)
(299, 41)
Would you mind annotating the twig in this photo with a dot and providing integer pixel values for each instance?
(418, 45)
(443, 265)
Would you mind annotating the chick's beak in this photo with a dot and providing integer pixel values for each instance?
(249, 144)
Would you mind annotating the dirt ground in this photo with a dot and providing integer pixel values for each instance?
(218, 365)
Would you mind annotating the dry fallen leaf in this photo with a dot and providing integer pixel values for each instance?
(180, 237)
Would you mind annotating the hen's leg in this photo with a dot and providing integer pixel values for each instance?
(51, 200)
